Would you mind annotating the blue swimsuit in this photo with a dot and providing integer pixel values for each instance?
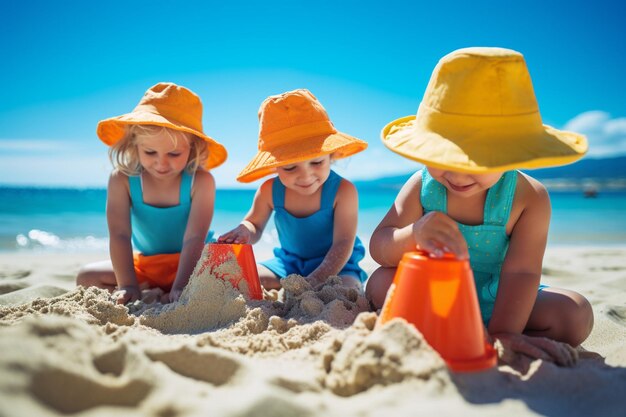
(159, 230)
(487, 242)
(305, 241)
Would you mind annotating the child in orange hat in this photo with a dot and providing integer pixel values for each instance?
(160, 196)
(315, 210)
(478, 123)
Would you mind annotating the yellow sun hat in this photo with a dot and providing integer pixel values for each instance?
(168, 105)
(479, 114)
(295, 127)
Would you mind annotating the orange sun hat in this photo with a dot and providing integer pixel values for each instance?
(168, 105)
(294, 127)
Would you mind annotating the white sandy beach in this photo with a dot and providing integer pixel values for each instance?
(315, 353)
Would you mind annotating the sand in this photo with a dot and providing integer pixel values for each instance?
(303, 351)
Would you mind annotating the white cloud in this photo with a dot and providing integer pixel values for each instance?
(606, 135)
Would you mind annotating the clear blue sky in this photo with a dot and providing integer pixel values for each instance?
(66, 65)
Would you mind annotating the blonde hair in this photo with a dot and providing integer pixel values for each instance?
(124, 155)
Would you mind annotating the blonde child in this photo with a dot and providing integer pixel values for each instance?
(315, 210)
(160, 195)
(478, 123)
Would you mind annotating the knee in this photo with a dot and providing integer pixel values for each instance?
(82, 278)
(87, 278)
(377, 286)
(270, 283)
(584, 318)
(579, 321)
(351, 282)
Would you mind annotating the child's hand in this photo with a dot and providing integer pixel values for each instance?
(127, 294)
(239, 234)
(437, 233)
(509, 345)
(175, 294)
(315, 281)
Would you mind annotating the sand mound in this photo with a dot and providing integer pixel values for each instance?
(91, 305)
(362, 357)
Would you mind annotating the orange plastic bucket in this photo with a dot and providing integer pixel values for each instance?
(438, 296)
(218, 253)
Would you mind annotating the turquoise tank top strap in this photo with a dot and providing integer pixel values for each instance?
(500, 200)
(185, 187)
(433, 195)
(134, 185)
(278, 193)
(329, 190)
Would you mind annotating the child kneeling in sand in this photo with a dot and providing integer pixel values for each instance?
(159, 196)
(315, 210)
(478, 123)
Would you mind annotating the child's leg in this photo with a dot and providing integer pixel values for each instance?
(97, 274)
(562, 315)
(269, 280)
(377, 286)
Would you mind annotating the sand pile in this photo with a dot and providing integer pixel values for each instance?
(78, 351)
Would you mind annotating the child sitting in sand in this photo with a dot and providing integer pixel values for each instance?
(477, 124)
(159, 196)
(315, 209)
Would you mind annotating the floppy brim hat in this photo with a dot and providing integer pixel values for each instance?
(167, 105)
(294, 127)
(479, 115)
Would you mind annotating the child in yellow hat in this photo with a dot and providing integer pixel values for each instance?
(478, 123)
(315, 210)
(160, 195)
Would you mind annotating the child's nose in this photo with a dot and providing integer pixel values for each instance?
(307, 172)
(162, 160)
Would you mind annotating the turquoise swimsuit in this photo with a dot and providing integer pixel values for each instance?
(488, 242)
(159, 230)
(305, 241)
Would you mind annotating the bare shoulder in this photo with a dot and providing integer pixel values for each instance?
(411, 189)
(118, 192)
(264, 193)
(346, 192)
(265, 190)
(346, 188)
(203, 179)
(530, 192)
(203, 183)
(118, 181)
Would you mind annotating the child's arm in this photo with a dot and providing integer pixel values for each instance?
(120, 247)
(200, 216)
(520, 276)
(521, 270)
(252, 226)
(344, 233)
(404, 228)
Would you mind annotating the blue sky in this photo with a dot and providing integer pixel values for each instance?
(66, 65)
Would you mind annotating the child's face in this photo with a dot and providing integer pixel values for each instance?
(464, 185)
(161, 157)
(305, 177)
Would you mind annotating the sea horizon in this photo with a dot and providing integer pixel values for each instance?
(73, 219)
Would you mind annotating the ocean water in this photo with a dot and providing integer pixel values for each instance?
(73, 220)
